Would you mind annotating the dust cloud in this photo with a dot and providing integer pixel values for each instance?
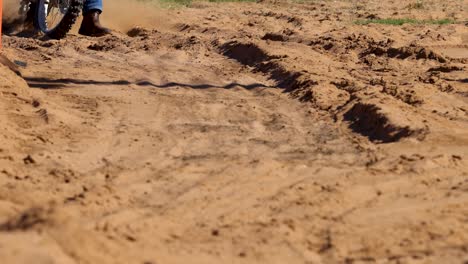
(119, 15)
(10, 10)
(123, 15)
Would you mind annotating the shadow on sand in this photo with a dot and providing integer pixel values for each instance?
(46, 83)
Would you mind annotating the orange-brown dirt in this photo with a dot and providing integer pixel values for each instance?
(267, 132)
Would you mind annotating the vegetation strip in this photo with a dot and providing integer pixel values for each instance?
(402, 21)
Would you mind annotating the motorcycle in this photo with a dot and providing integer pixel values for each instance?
(54, 18)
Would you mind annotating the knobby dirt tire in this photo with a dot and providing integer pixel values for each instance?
(64, 26)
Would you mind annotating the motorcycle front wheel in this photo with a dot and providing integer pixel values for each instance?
(56, 17)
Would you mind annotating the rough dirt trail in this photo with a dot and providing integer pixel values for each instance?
(240, 133)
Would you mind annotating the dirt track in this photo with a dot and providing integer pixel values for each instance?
(240, 133)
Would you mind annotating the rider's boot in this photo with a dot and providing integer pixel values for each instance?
(91, 25)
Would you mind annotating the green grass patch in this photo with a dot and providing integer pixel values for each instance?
(226, 1)
(174, 3)
(402, 21)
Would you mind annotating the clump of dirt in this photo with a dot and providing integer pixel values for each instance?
(404, 53)
(110, 43)
(274, 37)
(407, 95)
(138, 32)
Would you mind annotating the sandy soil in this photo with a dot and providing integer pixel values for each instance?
(265, 132)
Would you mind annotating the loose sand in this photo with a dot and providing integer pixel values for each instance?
(265, 132)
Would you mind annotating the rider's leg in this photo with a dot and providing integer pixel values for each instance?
(91, 26)
(92, 5)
